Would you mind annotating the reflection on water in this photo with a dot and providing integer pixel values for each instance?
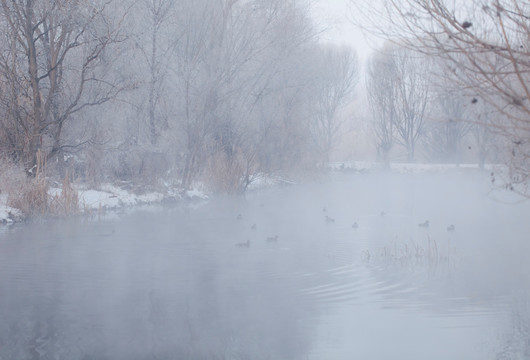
(172, 284)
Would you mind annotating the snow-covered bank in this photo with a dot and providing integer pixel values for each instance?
(261, 181)
(106, 197)
(363, 166)
(113, 197)
(110, 196)
(7, 213)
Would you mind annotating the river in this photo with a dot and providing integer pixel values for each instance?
(345, 267)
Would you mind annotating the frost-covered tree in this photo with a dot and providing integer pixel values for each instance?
(448, 124)
(398, 90)
(336, 74)
(412, 94)
(157, 50)
(229, 60)
(53, 61)
(381, 92)
(485, 46)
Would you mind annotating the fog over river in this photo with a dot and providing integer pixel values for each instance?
(354, 266)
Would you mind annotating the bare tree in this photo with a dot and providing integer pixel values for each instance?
(381, 92)
(156, 45)
(227, 62)
(198, 78)
(486, 46)
(412, 96)
(50, 60)
(483, 132)
(448, 124)
(411, 93)
(398, 92)
(336, 76)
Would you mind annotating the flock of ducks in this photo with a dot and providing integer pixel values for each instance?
(254, 227)
(425, 224)
(328, 219)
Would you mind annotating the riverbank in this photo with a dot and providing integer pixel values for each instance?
(144, 272)
(69, 199)
(107, 197)
(82, 199)
(8, 214)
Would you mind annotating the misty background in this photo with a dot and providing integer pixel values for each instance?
(172, 93)
(365, 165)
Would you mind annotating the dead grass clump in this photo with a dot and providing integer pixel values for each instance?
(31, 196)
(12, 177)
(67, 201)
(226, 174)
(413, 254)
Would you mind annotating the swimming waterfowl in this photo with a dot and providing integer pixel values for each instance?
(424, 224)
(244, 244)
(329, 219)
(273, 238)
(107, 234)
(451, 228)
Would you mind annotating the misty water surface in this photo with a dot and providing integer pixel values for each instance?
(337, 269)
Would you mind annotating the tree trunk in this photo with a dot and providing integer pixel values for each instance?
(35, 130)
(152, 89)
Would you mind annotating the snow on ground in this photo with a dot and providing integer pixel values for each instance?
(363, 166)
(107, 197)
(110, 196)
(196, 194)
(263, 180)
(7, 213)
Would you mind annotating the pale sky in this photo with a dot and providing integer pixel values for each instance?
(334, 14)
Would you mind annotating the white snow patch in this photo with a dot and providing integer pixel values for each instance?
(362, 166)
(152, 197)
(96, 199)
(7, 213)
(263, 180)
(196, 194)
(111, 197)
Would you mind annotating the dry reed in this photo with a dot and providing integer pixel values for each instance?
(67, 201)
(412, 254)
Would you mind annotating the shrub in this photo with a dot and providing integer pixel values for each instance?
(12, 177)
(29, 195)
(226, 174)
